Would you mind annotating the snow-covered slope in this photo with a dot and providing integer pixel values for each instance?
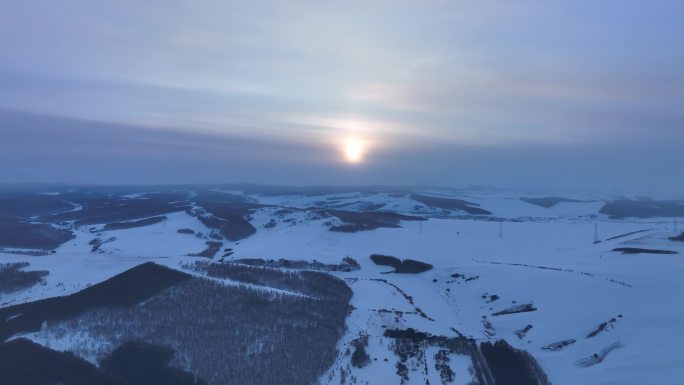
(557, 260)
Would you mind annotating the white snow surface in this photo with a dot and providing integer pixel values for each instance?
(546, 257)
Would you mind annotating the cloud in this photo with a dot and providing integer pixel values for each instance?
(409, 75)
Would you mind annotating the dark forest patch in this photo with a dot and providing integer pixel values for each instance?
(523, 308)
(347, 264)
(213, 247)
(304, 282)
(23, 362)
(112, 209)
(360, 205)
(678, 238)
(450, 204)
(140, 363)
(233, 227)
(560, 345)
(14, 278)
(522, 333)
(407, 266)
(548, 202)
(227, 213)
(25, 205)
(510, 366)
(368, 220)
(627, 234)
(224, 334)
(604, 326)
(29, 235)
(221, 334)
(636, 250)
(643, 209)
(493, 363)
(97, 243)
(385, 260)
(360, 357)
(134, 224)
(411, 266)
(125, 289)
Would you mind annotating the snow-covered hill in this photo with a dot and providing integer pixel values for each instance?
(539, 274)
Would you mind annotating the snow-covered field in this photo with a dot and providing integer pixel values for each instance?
(545, 257)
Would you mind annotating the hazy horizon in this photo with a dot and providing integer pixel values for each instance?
(569, 95)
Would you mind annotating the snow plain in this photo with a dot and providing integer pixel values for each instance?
(528, 254)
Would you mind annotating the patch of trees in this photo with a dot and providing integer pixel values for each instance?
(315, 284)
(603, 326)
(636, 250)
(29, 252)
(407, 266)
(25, 234)
(14, 278)
(409, 346)
(97, 242)
(360, 205)
(679, 238)
(510, 366)
(23, 362)
(450, 204)
(234, 228)
(24, 205)
(213, 247)
(226, 334)
(347, 264)
(523, 308)
(125, 289)
(186, 231)
(111, 209)
(140, 363)
(548, 202)
(627, 234)
(410, 266)
(521, 333)
(385, 260)
(643, 208)
(360, 357)
(442, 366)
(409, 334)
(353, 221)
(560, 345)
(226, 213)
(492, 362)
(134, 224)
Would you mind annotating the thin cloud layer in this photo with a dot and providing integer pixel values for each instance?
(413, 79)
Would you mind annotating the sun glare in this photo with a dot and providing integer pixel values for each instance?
(353, 150)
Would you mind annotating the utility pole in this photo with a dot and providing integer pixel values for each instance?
(676, 226)
(420, 227)
(500, 230)
(596, 234)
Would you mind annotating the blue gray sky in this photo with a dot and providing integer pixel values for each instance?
(521, 94)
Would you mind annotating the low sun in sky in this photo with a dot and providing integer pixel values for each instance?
(354, 149)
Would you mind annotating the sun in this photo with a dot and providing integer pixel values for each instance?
(354, 150)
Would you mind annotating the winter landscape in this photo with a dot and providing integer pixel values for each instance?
(263, 285)
(376, 192)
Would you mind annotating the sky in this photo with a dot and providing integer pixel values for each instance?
(520, 94)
